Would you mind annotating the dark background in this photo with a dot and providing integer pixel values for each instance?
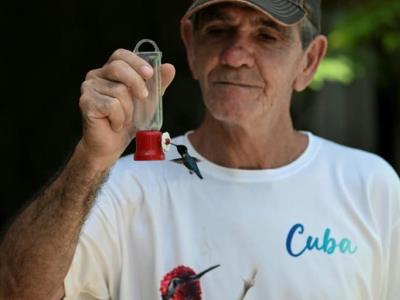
(47, 47)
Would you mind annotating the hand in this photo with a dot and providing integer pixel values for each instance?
(107, 103)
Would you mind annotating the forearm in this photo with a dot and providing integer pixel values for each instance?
(37, 250)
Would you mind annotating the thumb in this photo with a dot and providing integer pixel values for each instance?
(167, 75)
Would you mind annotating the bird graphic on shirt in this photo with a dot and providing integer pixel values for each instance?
(182, 283)
(187, 160)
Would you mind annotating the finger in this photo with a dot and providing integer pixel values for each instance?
(167, 75)
(118, 91)
(93, 74)
(96, 106)
(137, 63)
(122, 72)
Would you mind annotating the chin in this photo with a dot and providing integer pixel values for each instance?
(233, 108)
(233, 114)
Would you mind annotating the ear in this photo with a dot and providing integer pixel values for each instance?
(187, 37)
(315, 52)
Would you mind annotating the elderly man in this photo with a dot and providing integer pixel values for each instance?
(285, 213)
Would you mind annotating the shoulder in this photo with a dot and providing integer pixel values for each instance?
(355, 161)
(363, 177)
(128, 186)
(357, 172)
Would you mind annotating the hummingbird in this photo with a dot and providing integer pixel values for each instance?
(188, 161)
(182, 283)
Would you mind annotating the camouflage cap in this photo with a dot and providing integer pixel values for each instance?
(285, 12)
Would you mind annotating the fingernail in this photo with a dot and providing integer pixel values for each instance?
(147, 71)
(145, 93)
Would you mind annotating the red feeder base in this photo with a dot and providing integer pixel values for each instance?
(148, 145)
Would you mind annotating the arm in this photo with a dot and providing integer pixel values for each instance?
(37, 250)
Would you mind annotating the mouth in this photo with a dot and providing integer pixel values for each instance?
(238, 84)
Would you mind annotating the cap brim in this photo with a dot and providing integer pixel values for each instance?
(286, 13)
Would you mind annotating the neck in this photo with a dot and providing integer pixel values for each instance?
(263, 146)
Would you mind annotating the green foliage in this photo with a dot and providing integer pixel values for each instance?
(339, 69)
(369, 22)
(373, 25)
(391, 41)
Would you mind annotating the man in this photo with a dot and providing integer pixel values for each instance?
(295, 215)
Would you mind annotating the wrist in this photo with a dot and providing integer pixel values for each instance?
(94, 162)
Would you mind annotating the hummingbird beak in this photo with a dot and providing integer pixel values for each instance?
(171, 290)
(198, 276)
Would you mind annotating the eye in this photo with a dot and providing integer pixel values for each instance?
(267, 37)
(216, 30)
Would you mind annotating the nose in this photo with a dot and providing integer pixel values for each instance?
(238, 53)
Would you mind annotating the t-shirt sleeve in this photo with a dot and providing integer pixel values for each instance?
(393, 284)
(393, 291)
(94, 271)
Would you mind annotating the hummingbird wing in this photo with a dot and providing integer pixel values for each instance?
(178, 160)
(182, 161)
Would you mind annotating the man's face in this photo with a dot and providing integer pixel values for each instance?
(245, 63)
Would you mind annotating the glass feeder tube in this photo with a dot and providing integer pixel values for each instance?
(148, 115)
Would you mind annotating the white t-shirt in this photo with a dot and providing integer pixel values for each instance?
(326, 226)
